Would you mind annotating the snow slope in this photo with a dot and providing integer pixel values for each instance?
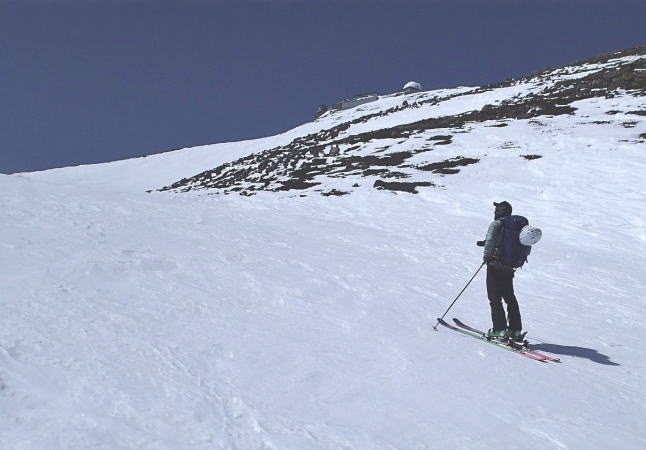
(177, 321)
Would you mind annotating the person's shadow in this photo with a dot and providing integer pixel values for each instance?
(579, 352)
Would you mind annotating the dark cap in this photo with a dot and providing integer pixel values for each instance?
(503, 209)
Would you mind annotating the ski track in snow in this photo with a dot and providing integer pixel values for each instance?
(157, 321)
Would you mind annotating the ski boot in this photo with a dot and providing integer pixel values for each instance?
(516, 338)
(497, 335)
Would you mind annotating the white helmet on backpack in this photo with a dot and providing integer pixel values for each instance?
(530, 235)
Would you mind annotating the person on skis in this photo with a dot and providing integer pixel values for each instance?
(500, 280)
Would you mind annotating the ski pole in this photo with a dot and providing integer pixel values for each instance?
(456, 298)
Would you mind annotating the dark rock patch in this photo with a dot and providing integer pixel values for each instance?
(364, 162)
(384, 173)
(629, 124)
(441, 137)
(372, 172)
(410, 187)
(295, 184)
(448, 167)
(641, 112)
(642, 136)
(530, 157)
(334, 192)
(443, 142)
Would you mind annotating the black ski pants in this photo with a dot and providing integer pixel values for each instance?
(500, 285)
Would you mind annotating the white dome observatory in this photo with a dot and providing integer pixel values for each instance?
(412, 86)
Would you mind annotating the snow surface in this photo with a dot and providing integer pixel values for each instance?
(167, 321)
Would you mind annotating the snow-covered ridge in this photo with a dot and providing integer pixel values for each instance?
(167, 169)
(395, 143)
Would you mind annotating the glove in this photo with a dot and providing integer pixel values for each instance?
(487, 259)
(480, 243)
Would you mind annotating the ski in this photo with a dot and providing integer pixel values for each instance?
(524, 347)
(497, 344)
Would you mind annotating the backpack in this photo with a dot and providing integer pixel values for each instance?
(512, 252)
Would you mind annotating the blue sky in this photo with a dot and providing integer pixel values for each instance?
(93, 81)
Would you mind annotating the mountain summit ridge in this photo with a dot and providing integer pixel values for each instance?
(377, 142)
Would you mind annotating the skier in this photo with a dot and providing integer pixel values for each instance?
(500, 281)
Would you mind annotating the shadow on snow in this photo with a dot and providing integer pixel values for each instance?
(579, 352)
